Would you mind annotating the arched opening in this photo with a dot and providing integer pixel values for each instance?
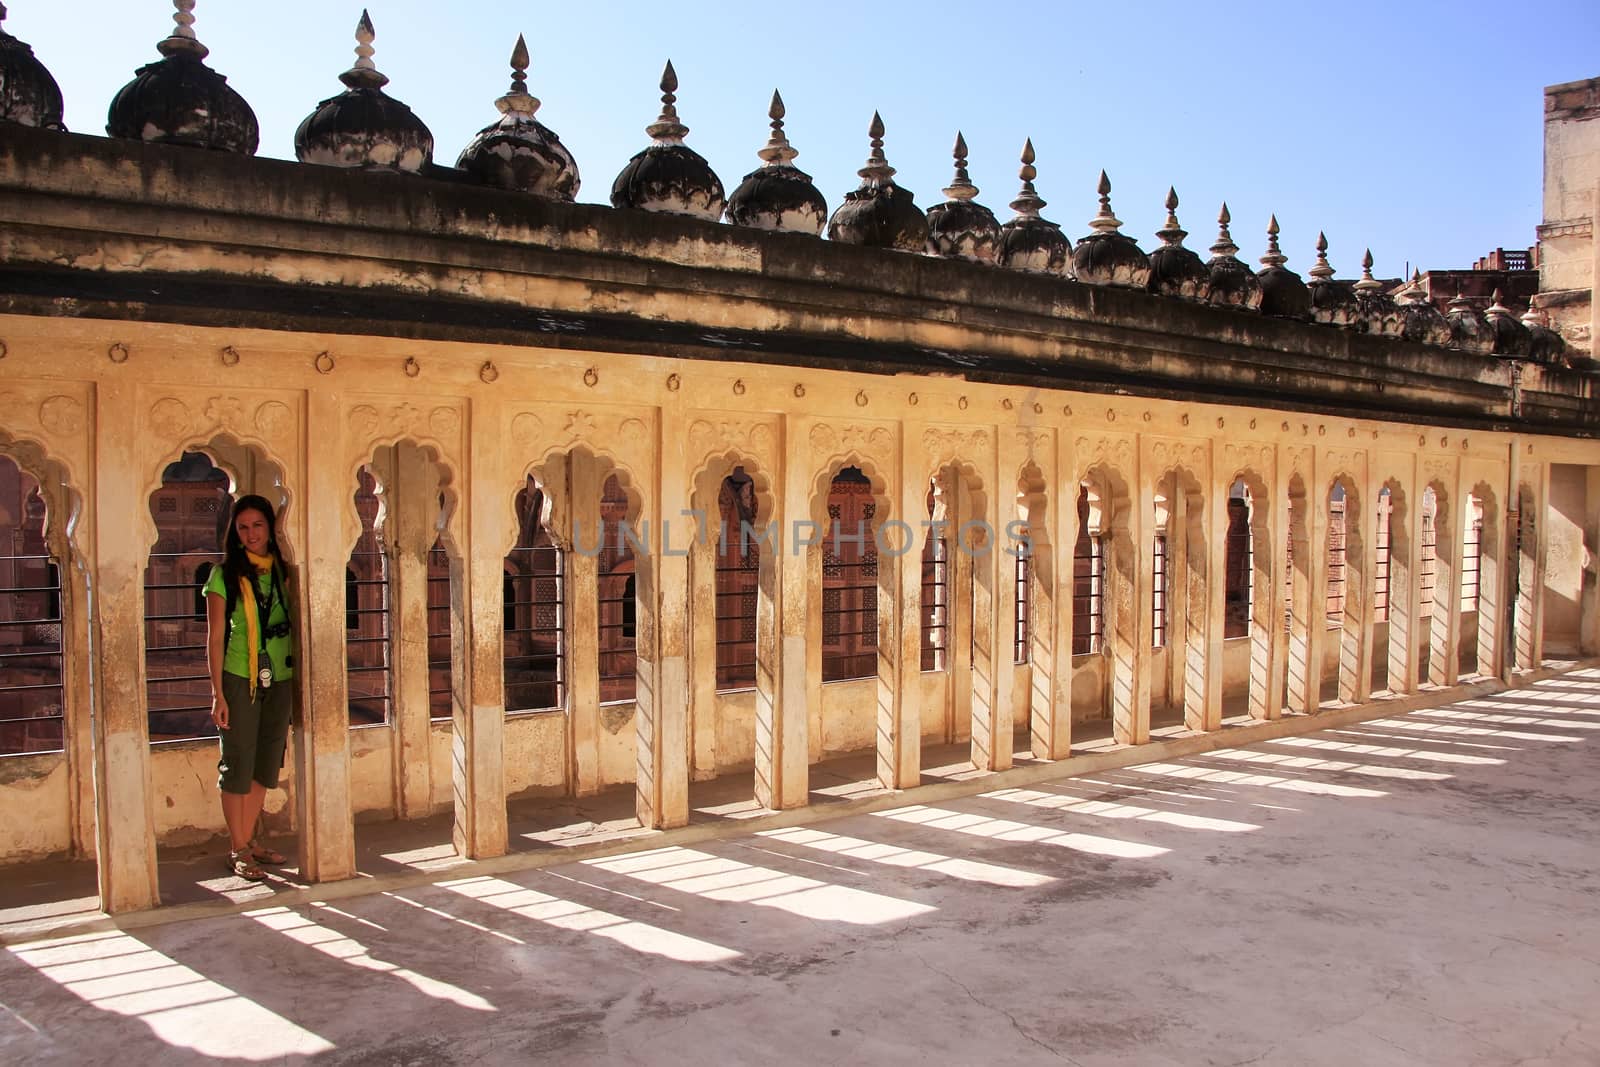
(534, 610)
(369, 683)
(1047, 723)
(1394, 616)
(1110, 666)
(190, 508)
(1526, 579)
(1303, 678)
(1436, 566)
(738, 572)
(1253, 620)
(935, 640)
(404, 655)
(617, 592)
(849, 580)
(1345, 596)
(32, 675)
(1480, 588)
(1185, 693)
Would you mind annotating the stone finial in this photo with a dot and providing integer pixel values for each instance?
(1367, 284)
(1104, 221)
(518, 98)
(182, 40)
(1497, 306)
(877, 168)
(1224, 245)
(961, 187)
(1172, 233)
(1274, 256)
(1028, 201)
(1323, 271)
(364, 74)
(666, 129)
(777, 151)
(1533, 317)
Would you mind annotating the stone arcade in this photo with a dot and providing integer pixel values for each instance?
(1103, 490)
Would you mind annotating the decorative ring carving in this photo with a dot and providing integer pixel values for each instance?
(591, 377)
(324, 362)
(412, 367)
(488, 373)
(118, 353)
(230, 356)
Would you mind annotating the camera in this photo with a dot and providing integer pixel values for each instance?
(279, 630)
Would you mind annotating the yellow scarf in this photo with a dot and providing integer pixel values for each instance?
(252, 622)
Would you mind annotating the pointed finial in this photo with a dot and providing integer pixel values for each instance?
(1497, 307)
(666, 129)
(1172, 233)
(877, 168)
(1323, 270)
(518, 98)
(1224, 245)
(1459, 302)
(1368, 283)
(1105, 221)
(961, 187)
(365, 35)
(777, 152)
(1533, 317)
(182, 40)
(1274, 256)
(364, 74)
(1028, 202)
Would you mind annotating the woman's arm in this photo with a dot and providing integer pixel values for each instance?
(216, 627)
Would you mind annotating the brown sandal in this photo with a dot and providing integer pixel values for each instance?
(242, 865)
(262, 854)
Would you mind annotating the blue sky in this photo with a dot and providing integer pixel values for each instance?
(1415, 129)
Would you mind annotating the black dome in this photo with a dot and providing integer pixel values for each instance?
(519, 152)
(1469, 330)
(1028, 241)
(1233, 283)
(879, 214)
(364, 127)
(1333, 303)
(1106, 256)
(778, 195)
(669, 176)
(29, 96)
(179, 100)
(962, 228)
(1174, 269)
(1544, 344)
(1511, 338)
(1283, 292)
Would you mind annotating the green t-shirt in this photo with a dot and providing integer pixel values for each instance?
(236, 649)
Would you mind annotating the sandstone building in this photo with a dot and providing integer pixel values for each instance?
(1006, 486)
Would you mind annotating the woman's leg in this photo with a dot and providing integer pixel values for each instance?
(234, 814)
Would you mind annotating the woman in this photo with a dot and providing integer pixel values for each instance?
(251, 656)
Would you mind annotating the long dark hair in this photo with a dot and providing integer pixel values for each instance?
(235, 564)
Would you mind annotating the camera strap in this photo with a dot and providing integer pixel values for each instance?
(264, 612)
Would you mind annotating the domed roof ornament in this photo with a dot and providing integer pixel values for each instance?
(29, 95)
(1420, 320)
(962, 228)
(1233, 283)
(519, 152)
(778, 195)
(1107, 256)
(1544, 344)
(668, 176)
(1379, 313)
(1283, 292)
(364, 127)
(1174, 269)
(1469, 330)
(179, 100)
(1028, 241)
(1511, 338)
(879, 213)
(1333, 303)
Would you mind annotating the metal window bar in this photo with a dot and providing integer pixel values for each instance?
(1471, 559)
(618, 660)
(935, 602)
(1380, 567)
(1427, 558)
(440, 696)
(737, 574)
(1238, 570)
(535, 639)
(1334, 604)
(31, 682)
(850, 620)
(177, 681)
(1158, 591)
(1024, 579)
(1088, 594)
(369, 675)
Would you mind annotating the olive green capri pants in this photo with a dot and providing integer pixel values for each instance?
(258, 729)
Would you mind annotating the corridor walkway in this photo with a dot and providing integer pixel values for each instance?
(1418, 889)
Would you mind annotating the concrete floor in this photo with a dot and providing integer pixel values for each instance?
(1413, 890)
